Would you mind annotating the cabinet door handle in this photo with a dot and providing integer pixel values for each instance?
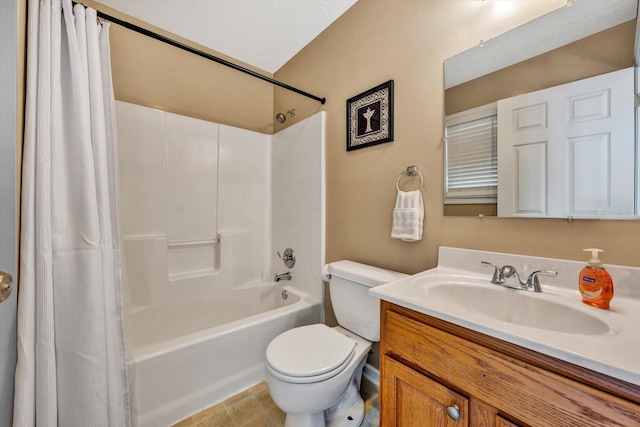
(454, 412)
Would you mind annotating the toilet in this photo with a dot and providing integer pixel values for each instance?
(313, 372)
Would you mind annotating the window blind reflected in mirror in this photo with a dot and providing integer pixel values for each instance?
(471, 156)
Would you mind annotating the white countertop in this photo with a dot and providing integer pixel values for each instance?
(615, 353)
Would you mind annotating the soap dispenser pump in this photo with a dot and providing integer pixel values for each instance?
(595, 283)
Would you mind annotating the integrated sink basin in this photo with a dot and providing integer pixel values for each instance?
(461, 291)
(519, 307)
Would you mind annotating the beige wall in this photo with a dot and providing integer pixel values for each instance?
(151, 73)
(407, 41)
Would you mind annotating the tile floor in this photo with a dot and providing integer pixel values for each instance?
(254, 408)
(251, 408)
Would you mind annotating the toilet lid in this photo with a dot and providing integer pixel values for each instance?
(309, 351)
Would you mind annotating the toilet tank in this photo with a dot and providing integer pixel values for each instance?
(354, 308)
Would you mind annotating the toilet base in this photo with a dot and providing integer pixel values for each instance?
(348, 411)
(352, 418)
(305, 420)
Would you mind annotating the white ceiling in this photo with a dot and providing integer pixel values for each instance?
(262, 33)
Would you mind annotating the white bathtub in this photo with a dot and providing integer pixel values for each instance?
(177, 378)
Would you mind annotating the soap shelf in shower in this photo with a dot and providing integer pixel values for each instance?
(193, 258)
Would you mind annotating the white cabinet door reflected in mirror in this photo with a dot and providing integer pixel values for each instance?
(569, 151)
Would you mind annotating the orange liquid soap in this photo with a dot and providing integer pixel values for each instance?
(595, 283)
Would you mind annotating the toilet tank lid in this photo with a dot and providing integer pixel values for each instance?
(362, 273)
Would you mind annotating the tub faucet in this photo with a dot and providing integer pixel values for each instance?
(283, 276)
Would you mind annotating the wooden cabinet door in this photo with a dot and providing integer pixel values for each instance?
(410, 399)
(501, 422)
(482, 414)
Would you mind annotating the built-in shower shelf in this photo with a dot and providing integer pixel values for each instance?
(192, 243)
(194, 258)
(192, 274)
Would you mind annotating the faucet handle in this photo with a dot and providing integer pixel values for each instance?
(534, 283)
(509, 271)
(289, 257)
(497, 278)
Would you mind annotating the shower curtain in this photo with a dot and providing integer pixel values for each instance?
(71, 367)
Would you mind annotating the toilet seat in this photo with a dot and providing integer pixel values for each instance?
(309, 354)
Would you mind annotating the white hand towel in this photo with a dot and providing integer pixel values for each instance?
(408, 216)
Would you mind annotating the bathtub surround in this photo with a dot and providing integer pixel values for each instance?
(297, 202)
(204, 208)
(71, 358)
(177, 255)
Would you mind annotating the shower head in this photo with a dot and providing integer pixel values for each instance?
(282, 117)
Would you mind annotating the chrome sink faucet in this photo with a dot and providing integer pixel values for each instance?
(532, 284)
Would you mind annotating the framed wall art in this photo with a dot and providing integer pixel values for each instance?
(370, 117)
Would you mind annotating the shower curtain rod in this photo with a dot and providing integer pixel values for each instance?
(210, 57)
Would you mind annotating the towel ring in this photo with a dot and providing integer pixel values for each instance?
(411, 171)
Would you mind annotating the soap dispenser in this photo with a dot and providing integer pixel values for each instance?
(595, 283)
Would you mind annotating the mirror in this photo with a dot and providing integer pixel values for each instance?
(587, 39)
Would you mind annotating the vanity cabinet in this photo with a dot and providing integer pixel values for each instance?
(430, 367)
(419, 400)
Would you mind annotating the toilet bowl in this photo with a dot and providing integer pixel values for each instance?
(305, 397)
(313, 372)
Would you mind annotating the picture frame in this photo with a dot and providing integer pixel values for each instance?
(370, 117)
